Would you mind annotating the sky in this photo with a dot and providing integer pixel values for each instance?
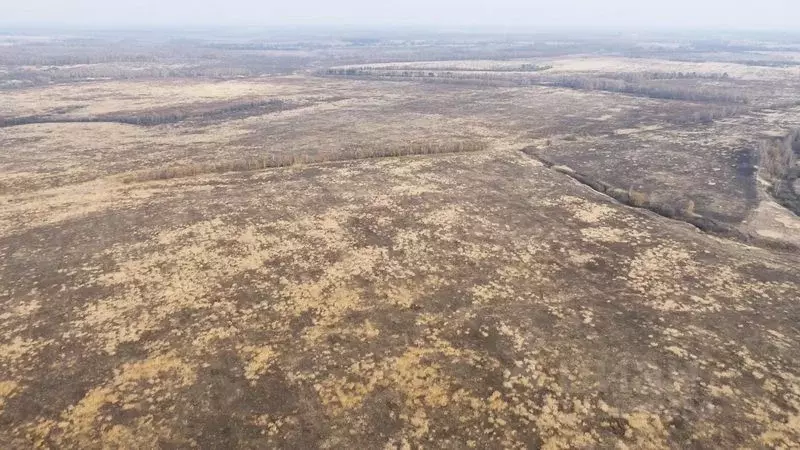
(628, 14)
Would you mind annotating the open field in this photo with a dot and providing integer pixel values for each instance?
(298, 242)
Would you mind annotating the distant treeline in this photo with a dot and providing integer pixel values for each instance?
(643, 85)
(702, 57)
(29, 65)
(768, 63)
(101, 56)
(645, 90)
(441, 71)
(635, 77)
(48, 75)
(151, 118)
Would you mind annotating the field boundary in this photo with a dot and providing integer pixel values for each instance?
(286, 160)
(172, 115)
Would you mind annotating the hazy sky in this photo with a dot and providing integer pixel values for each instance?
(760, 14)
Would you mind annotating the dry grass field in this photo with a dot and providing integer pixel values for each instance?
(485, 244)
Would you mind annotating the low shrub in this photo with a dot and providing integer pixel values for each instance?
(638, 199)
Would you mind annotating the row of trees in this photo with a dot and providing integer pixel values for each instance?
(711, 114)
(643, 87)
(437, 70)
(635, 77)
(354, 152)
(118, 72)
(480, 78)
(49, 57)
(162, 117)
(660, 91)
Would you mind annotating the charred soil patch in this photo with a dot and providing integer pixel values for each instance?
(303, 300)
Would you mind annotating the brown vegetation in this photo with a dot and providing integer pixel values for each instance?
(233, 110)
(642, 200)
(638, 77)
(688, 208)
(639, 84)
(778, 165)
(286, 160)
(474, 300)
(777, 156)
(666, 92)
(442, 71)
(637, 199)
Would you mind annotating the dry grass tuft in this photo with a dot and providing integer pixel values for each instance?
(275, 161)
(688, 208)
(637, 199)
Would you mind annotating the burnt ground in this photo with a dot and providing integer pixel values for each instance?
(623, 140)
(714, 165)
(469, 300)
(476, 300)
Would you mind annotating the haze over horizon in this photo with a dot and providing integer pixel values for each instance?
(628, 14)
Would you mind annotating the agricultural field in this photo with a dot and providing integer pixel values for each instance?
(399, 240)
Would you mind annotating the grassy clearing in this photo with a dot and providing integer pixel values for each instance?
(275, 161)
